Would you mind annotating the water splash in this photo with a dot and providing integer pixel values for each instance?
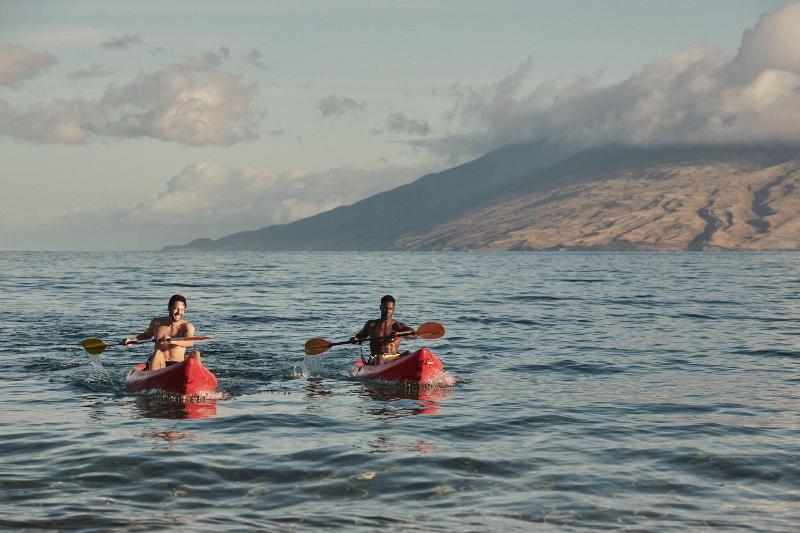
(310, 367)
(444, 379)
(98, 377)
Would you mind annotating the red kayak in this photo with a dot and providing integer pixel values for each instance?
(417, 367)
(188, 378)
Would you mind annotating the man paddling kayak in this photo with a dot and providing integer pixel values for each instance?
(383, 334)
(166, 351)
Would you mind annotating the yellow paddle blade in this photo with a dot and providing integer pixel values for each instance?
(317, 346)
(430, 330)
(94, 346)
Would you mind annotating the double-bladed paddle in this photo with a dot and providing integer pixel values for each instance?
(97, 346)
(428, 330)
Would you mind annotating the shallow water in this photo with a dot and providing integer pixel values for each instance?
(594, 391)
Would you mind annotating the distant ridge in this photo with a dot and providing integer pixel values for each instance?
(376, 222)
(536, 196)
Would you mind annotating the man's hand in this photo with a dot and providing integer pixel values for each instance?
(354, 340)
(126, 341)
(163, 340)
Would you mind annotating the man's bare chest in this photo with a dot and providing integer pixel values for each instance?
(381, 330)
(170, 330)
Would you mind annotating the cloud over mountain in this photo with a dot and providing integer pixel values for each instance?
(698, 95)
(18, 64)
(193, 102)
(206, 199)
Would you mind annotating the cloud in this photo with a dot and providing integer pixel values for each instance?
(333, 105)
(255, 58)
(206, 199)
(399, 123)
(699, 95)
(122, 42)
(18, 64)
(193, 103)
(773, 44)
(95, 71)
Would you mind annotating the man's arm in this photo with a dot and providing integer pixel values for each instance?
(404, 330)
(146, 334)
(361, 335)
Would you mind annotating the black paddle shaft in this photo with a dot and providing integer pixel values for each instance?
(375, 339)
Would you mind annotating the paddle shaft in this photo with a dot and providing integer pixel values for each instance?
(142, 341)
(370, 339)
(404, 334)
(428, 330)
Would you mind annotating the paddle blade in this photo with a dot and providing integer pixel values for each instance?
(94, 346)
(317, 346)
(430, 330)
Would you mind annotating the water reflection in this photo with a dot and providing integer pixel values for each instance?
(166, 440)
(427, 399)
(96, 408)
(172, 407)
(387, 444)
(317, 388)
(316, 393)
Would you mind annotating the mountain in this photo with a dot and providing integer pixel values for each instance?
(536, 196)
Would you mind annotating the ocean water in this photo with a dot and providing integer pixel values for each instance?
(586, 391)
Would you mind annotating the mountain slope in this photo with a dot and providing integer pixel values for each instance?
(719, 205)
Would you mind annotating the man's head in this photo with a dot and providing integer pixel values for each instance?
(177, 306)
(387, 307)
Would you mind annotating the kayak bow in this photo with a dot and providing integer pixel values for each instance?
(188, 378)
(418, 367)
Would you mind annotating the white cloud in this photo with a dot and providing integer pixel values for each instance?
(335, 105)
(696, 96)
(192, 103)
(18, 64)
(773, 44)
(206, 199)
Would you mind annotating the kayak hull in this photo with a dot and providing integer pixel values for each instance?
(188, 378)
(418, 367)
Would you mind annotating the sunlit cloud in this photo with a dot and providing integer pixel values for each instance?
(18, 64)
(193, 103)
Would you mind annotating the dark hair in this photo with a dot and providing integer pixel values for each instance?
(176, 298)
(388, 298)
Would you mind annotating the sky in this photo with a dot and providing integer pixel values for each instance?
(135, 125)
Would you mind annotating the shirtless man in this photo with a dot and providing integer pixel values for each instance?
(166, 351)
(383, 349)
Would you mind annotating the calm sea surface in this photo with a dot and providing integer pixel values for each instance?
(588, 391)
